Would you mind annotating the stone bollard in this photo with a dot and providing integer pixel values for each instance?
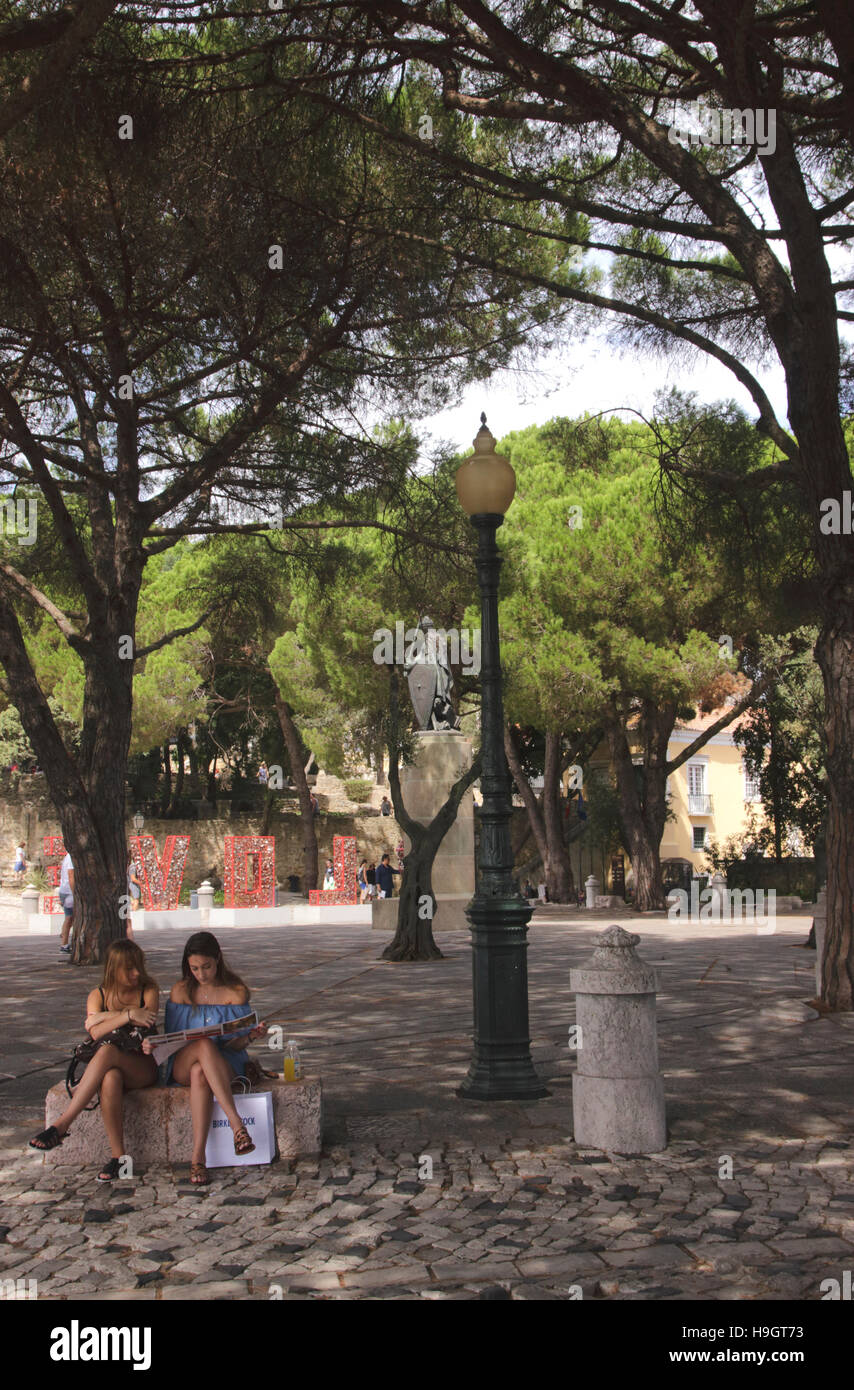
(206, 896)
(30, 900)
(819, 921)
(592, 888)
(617, 1091)
(719, 900)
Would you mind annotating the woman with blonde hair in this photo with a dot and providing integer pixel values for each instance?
(119, 1015)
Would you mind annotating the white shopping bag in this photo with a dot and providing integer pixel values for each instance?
(256, 1112)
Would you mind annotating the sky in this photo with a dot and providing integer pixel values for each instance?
(592, 377)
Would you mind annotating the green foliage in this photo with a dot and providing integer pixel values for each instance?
(359, 789)
(595, 615)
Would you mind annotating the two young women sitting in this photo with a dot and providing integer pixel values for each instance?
(125, 1008)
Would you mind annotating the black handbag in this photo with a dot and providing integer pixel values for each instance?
(128, 1038)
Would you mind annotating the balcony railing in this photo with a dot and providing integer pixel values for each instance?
(699, 804)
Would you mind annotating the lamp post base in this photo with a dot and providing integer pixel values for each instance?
(501, 1067)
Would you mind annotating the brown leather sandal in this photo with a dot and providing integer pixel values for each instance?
(242, 1143)
(199, 1175)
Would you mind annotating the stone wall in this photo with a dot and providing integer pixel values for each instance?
(33, 818)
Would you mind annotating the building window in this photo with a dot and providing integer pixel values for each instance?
(699, 837)
(751, 786)
(696, 779)
(699, 801)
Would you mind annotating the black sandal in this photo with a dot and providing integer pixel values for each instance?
(49, 1138)
(110, 1171)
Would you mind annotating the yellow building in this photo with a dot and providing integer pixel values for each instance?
(711, 797)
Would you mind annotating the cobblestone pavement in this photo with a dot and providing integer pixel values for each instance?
(757, 1086)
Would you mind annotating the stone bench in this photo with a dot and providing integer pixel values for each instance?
(158, 1127)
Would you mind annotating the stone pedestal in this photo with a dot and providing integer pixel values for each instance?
(720, 904)
(30, 902)
(450, 914)
(158, 1126)
(205, 899)
(443, 755)
(617, 1091)
(592, 888)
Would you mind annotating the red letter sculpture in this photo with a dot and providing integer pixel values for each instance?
(345, 893)
(160, 878)
(239, 849)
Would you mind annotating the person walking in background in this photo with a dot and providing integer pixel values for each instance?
(329, 878)
(385, 877)
(362, 881)
(20, 863)
(263, 774)
(385, 807)
(371, 880)
(66, 897)
(134, 891)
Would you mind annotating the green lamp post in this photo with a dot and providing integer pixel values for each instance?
(501, 1067)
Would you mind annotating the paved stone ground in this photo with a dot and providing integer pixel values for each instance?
(513, 1207)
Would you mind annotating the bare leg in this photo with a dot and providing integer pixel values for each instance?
(201, 1109)
(66, 930)
(137, 1071)
(218, 1074)
(112, 1105)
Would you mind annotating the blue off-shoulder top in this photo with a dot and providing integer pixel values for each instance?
(181, 1016)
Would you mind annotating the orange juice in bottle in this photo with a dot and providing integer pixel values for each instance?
(292, 1068)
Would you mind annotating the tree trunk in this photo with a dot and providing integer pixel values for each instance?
(560, 885)
(643, 809)
(88, 793)
(166, 795)
(293, 743)
(413, 937)
(379, 764)
(195, 784)
(776, 772)
(545, 819)
(178, 790)
(835, 654)
(210, 793)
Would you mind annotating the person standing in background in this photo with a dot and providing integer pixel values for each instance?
(20, 862)
(385, 877)
(66, 897)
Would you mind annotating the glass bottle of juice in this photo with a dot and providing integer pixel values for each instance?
(293, 1066)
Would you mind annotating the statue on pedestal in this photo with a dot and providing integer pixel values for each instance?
(429, 677)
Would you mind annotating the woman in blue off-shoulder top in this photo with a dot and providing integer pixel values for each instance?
(208, 992)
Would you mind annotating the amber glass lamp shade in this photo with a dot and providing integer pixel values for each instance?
(486, 482)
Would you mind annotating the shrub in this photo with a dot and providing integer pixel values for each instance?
(358, 789)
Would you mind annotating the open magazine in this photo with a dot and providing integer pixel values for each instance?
(164, 1044)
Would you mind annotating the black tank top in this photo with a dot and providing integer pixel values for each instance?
(141, 998)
